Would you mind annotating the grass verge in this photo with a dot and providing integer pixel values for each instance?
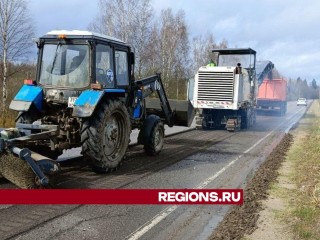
(304, 201)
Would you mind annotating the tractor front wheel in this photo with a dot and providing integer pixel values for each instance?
(152, 135)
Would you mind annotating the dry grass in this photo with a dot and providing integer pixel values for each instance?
(304, 213)
(15, 82)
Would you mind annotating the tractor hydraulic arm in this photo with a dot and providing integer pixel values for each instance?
(154, 83)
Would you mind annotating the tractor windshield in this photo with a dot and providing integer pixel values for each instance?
(64, 65)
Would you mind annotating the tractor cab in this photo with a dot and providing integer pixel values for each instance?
(73, 61)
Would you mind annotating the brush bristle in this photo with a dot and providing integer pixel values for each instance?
(16, 171)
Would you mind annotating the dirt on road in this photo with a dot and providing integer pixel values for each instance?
(242, 219)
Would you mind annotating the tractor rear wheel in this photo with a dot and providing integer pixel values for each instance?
(105, 136)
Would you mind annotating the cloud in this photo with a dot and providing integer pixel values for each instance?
(61, 14)
(294, 58)
(282, 31)
(230, 24)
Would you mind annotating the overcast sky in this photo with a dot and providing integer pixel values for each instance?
(285, 32)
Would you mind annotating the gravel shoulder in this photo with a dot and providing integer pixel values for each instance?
(241, 220)
(270, 224)
(292, 210)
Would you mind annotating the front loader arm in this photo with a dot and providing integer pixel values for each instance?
(154, 83)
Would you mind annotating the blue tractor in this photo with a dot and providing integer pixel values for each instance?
(85, 95)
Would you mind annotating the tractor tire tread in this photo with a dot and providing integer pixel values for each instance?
(92, 133)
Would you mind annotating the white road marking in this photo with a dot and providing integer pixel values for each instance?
(210, 179)
(167, 211)
(294, 122)
(153, 222)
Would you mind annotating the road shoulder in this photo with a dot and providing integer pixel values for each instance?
(292, 209)
(271, 207)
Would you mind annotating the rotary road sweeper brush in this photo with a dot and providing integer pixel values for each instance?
(21, 166)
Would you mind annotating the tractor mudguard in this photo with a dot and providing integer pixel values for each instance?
(27, 96)
(86, 103)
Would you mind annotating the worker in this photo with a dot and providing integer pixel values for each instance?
(211, 63)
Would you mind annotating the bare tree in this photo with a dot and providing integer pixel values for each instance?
(128, 20)
(16, 32)
(161, 44)
(201, 47)
(168, 50)
(201, 50)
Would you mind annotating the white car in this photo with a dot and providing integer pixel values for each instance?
(302, 102)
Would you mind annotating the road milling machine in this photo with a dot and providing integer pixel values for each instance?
(84, 95)
(225, 95)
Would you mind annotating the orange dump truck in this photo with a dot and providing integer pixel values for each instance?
(272, 96)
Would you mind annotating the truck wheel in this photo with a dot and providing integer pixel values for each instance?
(244, 120)
(105, 136)
(205, 124)
(283, 109)
(254, 117)
(152, 135)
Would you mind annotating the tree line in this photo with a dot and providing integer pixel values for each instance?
(16, 32)
(298, 88)
(162, 43)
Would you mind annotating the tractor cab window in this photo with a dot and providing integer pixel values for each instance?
(64, 65)
(122, 73)
(104, 66)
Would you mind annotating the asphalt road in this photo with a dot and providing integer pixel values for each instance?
(194, 159)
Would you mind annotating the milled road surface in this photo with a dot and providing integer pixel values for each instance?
(194, 159)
